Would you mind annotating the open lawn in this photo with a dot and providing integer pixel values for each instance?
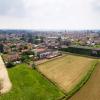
(91, 90)
(66, 71)
(28, 84)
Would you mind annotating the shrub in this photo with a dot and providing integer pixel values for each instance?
(10, 64)
(33, 66)
(25, 58)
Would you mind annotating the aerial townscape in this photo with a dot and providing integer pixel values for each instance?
(49, 49)
(19, 46)
(49, 65)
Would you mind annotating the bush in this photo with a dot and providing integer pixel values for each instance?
(83, 51)
(25, 58)
(28, 53)
(78, 50)
(33, 66)
(10, 64)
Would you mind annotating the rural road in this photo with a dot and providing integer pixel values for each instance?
(91, 90)
(6, 83)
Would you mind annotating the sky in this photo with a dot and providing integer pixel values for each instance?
(50, 14)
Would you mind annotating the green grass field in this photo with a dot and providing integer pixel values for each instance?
(28, 84)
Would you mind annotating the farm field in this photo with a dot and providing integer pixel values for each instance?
(28, 84)
(66, 71)
(91, 90)
(46, 60)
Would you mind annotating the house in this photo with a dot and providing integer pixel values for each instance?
(11, 57)
(54, 53)
(39, 51)
(46, 53)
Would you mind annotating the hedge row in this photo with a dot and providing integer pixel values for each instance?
(83, 51)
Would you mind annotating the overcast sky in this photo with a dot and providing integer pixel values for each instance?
(50, 14)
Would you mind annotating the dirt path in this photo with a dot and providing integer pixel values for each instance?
(91, 90)
(6, 84)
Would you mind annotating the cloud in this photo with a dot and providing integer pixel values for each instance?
(35, 8)
(96, 5)
(45, 8)
(12, 8)
(50, 13)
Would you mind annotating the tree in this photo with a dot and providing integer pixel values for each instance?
(10, 64)
(1, 48)
(30, 38)
(23, 37)
(42, 38)
(33, 66)
(25, 58)
(28, 53)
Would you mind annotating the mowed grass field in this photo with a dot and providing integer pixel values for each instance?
(66, 71)
(91, 90)
(28, 84)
